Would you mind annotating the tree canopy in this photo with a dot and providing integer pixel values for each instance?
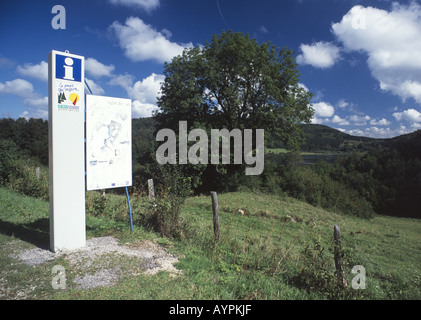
(235, 82)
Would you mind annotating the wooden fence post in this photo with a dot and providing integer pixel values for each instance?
(38, 172)
(338, 256)
(215, 209)
(151, 190)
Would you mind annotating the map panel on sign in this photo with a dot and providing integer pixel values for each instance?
(108, 142)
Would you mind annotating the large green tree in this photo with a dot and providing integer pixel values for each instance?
(235, 82)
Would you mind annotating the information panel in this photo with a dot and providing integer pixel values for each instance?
(108, 142)
(66, 113)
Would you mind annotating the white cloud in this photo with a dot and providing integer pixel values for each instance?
(147, 5)
(303, 86)
(392, 41)
(25, 90)
(147, 90)
(37, 102)
(122, 80)
(40, 112)
(323, 109)
(142, 110)
(376, 132)
(144, 93)
(97, 69)
(338, 120)
(320, 54)
(38, 71)
(96, 89)
(142, 42)
(359, 120)
(381, 122)
(322, 112)
(316, 120)
(342, 104)
(17, 87)
(410, 115)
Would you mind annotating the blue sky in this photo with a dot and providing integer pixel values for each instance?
(361, 59)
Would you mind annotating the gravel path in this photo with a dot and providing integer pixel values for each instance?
(103, 260)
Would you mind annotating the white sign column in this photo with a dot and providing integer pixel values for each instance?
(66, 115)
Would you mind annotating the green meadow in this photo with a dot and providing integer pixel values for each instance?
(271, 247)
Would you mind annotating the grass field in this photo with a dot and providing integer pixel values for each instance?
(271, 247)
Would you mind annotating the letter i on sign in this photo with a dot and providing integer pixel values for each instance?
(68, 69)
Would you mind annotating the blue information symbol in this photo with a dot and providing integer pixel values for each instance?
(68, 68)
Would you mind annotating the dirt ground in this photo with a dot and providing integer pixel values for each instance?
(103, 261)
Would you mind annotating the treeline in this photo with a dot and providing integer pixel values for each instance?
(30, 136)
(382, 176)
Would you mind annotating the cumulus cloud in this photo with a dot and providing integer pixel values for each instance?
(147, 90)
(147, 5)
(97, 69)
(24, 89)
(338, 120)
(342, 103)
(122, 80)
(381, 122)
(376, 132)
(144, 93)
(142, 42)
(320, 54)
(38, 71)
(143, 110)
(392, 42)
(96, 89)
(17, 87)
(358, 120)
(323, 109)
(37, 102)
(409, 115)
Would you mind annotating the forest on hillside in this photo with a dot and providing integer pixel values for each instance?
(379, 176)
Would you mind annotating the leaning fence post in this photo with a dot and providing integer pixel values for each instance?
(151, 190)
(338, 255)
(215, 209)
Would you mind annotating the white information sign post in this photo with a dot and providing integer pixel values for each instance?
(66, 113)
(108, 142)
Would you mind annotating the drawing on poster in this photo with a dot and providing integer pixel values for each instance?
(108, 142)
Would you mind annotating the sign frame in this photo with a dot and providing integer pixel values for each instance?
(111, 165)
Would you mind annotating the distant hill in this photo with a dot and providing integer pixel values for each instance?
(323, 138)
(409, 145)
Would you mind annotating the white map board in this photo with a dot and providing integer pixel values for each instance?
(108, 142)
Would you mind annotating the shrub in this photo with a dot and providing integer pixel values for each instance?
(317, 189)
(26, 181)
(318, 273)
(172, 189)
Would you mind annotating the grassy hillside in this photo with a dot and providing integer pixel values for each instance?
(271, 247)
